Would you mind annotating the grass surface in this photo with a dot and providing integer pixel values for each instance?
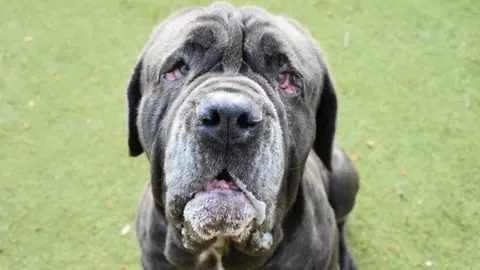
(408, 77)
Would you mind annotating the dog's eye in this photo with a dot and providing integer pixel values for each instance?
(178, 71)
(287, 81)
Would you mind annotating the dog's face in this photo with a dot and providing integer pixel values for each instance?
(227, 103)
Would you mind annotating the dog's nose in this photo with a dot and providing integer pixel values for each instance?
(229, 116)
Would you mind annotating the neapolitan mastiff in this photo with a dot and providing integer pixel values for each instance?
(235, 110)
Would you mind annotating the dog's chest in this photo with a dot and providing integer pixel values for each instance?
(212, 259)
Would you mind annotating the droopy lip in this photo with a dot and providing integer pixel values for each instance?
(224, 180)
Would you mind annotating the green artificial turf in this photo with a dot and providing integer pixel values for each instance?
(408, 78)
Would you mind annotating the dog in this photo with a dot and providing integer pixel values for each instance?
(235, 110)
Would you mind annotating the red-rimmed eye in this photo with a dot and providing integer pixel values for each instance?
(286, 83)
(177, 72)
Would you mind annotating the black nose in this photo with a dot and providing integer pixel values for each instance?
(231, 117)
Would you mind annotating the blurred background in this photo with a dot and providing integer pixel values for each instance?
(407, 74)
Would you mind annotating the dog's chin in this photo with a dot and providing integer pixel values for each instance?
(222, 208)
(220, 212)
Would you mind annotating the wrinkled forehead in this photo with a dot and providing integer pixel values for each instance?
(222, 25)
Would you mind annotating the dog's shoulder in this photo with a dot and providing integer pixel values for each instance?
(314, 192)
(315, 175)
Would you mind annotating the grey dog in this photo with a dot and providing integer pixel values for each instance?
(236, 111)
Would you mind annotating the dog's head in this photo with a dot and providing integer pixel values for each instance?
(227, 103)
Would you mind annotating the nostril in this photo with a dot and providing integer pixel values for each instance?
(246, 120)
(211, 119)
(242, 121)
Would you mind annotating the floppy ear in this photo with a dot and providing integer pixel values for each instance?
(326, 117)
(134, 95)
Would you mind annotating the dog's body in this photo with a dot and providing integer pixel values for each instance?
(236, 112)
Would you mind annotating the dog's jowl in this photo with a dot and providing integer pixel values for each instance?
(235, 110)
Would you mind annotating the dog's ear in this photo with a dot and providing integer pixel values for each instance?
(326, 117)
(134, 95)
